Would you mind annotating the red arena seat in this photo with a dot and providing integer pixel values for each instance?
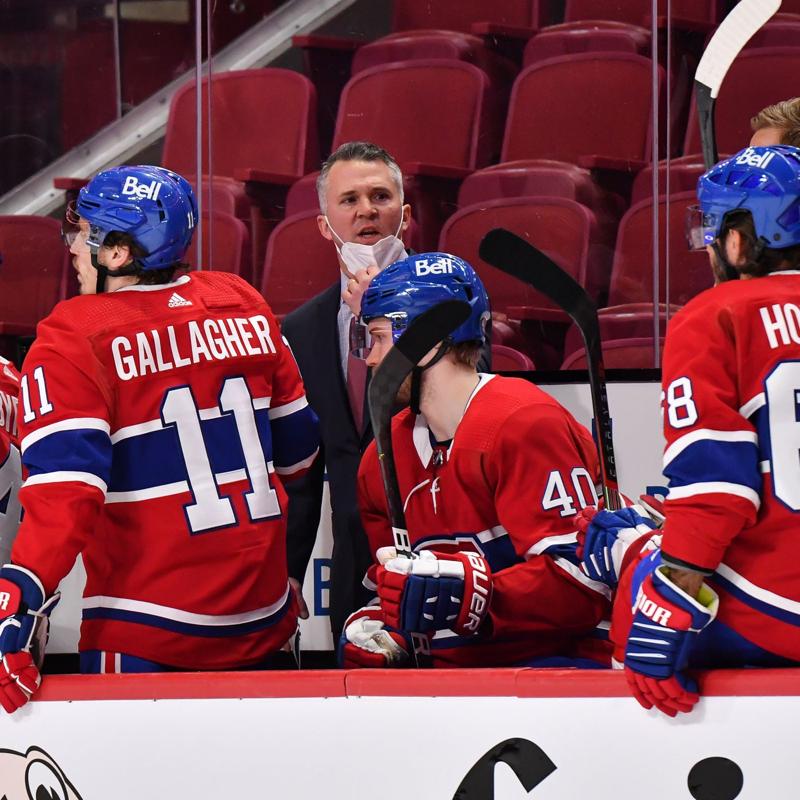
(607, 119)
(507, 359)
(619, 354)
(594, 36)
(226, 245)
(33, 272)
(299, 263)
(632, 272)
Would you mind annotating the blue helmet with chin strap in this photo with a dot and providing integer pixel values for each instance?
(762, 180)
(407, 288)
(153, 205)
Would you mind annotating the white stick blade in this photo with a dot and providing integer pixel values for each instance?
(730, 37)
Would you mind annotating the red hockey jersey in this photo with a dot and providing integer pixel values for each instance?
(731, 381)
(9, 391)
(508, 486)
(10, 481)
(155, 423)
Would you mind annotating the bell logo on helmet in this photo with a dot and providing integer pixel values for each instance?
(752, 158)
(442, 266)
(141, 191)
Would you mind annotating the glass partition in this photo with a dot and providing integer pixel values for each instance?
(569, 122)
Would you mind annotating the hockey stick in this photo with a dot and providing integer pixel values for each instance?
(516, 257)
(726, 43)
(421, 336)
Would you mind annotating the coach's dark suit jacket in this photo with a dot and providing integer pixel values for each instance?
(313, 335)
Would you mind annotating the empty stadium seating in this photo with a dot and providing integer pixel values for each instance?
(757, 78)
(226, 245)
(299, 263)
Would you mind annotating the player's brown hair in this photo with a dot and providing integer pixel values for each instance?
(146, 277)
(770, 259)
(785, 116)
(467, 353)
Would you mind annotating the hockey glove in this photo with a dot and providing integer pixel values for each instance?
(606, 537)
(24, 620)
(665, 623)
(436, 591)
(366, 641)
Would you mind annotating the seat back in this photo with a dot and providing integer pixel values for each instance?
(638, 11)
(405, 108)
(586, 37)
(592, 104)
(459, 15)
(632, 272)
(619, 354)
(539, 177)
(781, 32)
(683, 175)
(226, 245)
(299, 263)
(562, 228)
(261, 118)
(757, 78)
(34, 268)
(507, 359)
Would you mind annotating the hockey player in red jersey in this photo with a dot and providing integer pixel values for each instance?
(492, 471)
(724, 589)
(157, 419)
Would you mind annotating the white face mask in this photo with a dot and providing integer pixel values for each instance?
(360, 256)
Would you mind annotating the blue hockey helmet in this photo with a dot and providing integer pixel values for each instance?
(762, 180)
(153, 205)
(407, 288)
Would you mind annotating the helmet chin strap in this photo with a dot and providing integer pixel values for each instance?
(104, 272)
(416, 373)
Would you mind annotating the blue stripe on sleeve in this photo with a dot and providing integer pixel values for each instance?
(713, 461)
(295, 437)
(82, 450)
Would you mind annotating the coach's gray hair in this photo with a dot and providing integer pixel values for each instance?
(356, 151)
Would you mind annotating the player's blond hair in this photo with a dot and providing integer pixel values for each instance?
(467, 353)
(785, 116)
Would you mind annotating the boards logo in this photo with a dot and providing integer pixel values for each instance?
(33, 775)
(714, 778)
(442, 266)
(141, 191)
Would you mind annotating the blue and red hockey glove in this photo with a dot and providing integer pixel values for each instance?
(435, 591)
(367, 641)
(24, 616)
(608, 540)
(666, 621)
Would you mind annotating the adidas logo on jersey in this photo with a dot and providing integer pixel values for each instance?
(176, 300)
